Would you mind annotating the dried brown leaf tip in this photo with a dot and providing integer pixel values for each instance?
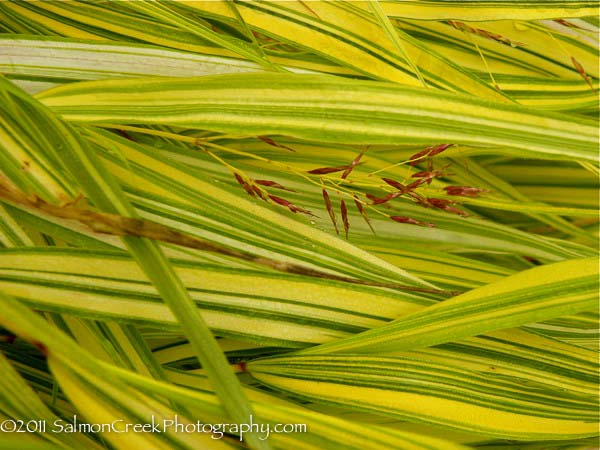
(344, 212)
(329, 208)
(581, 72)
(464, 191)
(411, 221)
(428, 153)
(272, 143)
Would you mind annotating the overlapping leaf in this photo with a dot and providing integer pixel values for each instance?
(325, 109)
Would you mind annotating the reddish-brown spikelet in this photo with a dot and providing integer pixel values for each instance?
(247, 186)
(363, 213)
(371, 197)
(439, 202)
(439, 149)
(248, 189)
(428, 175)
(272, 184)
(344, 212)
(429, 151)
(464, 191)
(326, 170)
(387, 198)
(352, 165)
(258, 192)
(395, 184)
(330, 210)
(280, 201)
(444, 204)
(455, 211)
(289, 205)
(414, 159)
(239, 178)
(499, 38)
(270, 141)
(423, 174)
(415, 184)
(462, 26)
(298, 209)
(409, 220)
(581, 72)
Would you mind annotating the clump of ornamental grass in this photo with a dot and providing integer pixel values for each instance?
(291, 224)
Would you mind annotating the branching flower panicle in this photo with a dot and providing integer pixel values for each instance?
(424, 178)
